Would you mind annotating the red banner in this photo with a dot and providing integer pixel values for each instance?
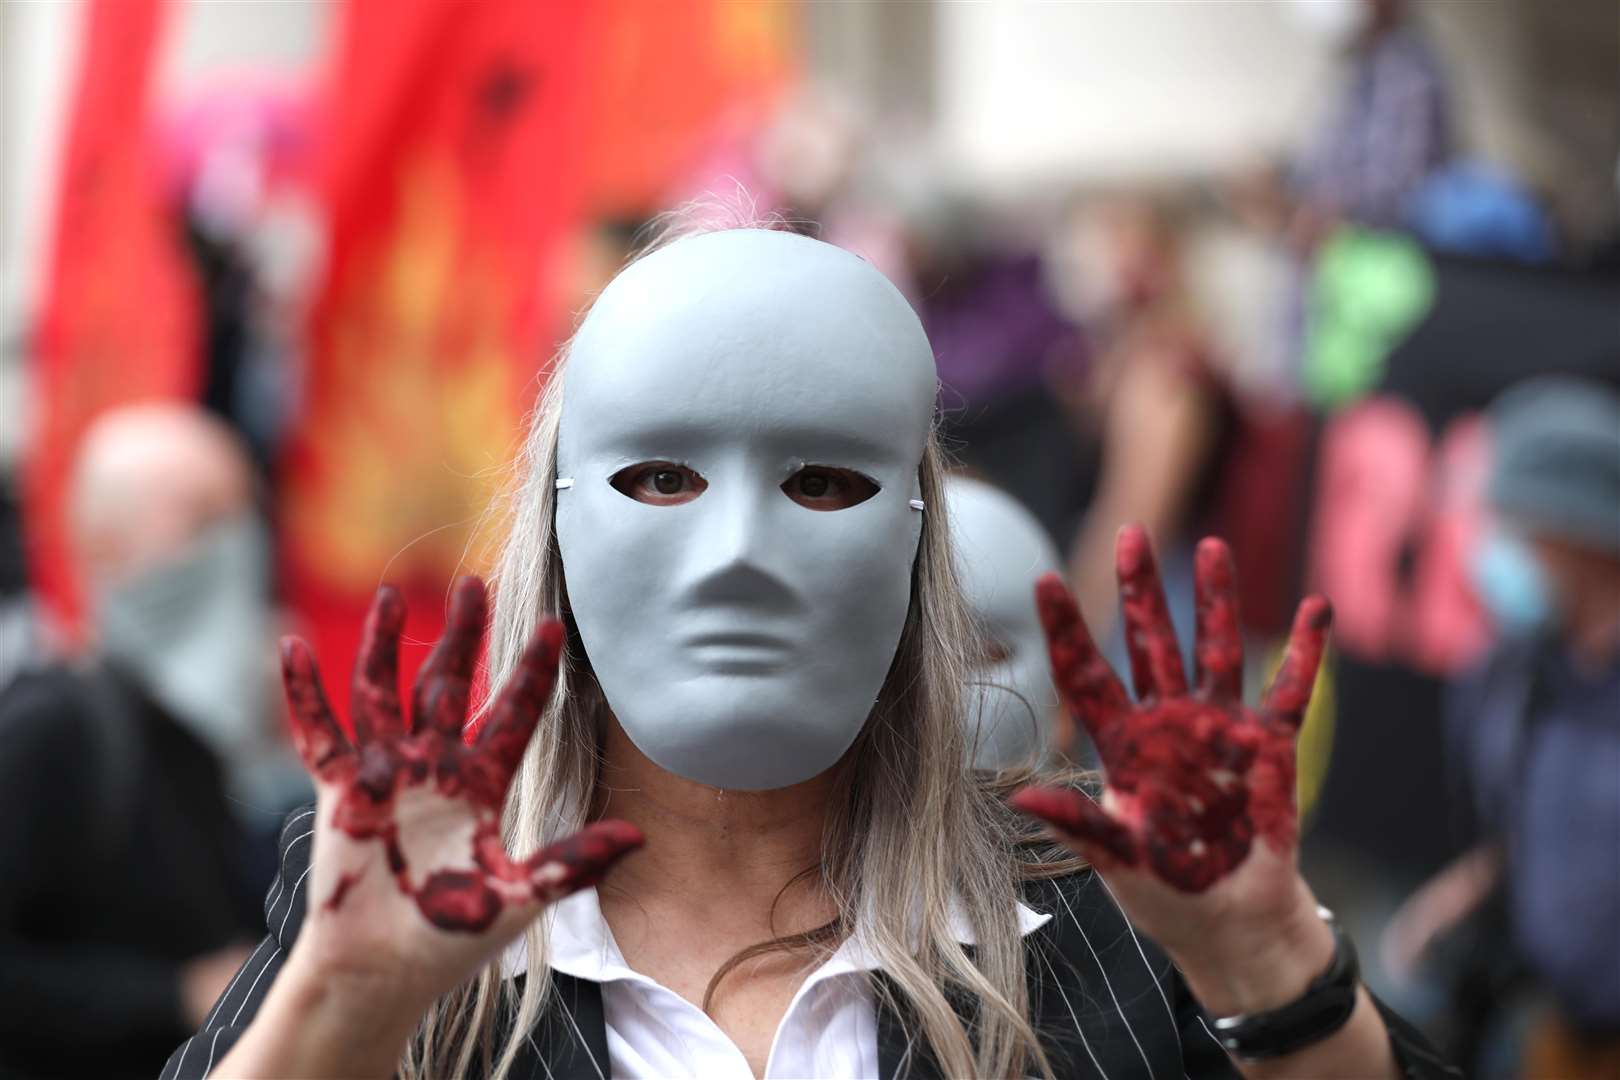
(451, 180)
(465, 145)
(118, 319)
(671, 79)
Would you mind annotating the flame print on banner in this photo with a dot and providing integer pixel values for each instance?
(450, 176)
(421, 361)
(119, 309)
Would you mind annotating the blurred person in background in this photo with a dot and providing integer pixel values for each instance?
(1000, 549)
(1002, 344)
(1153, 392)
(21, 632)
(1382, 137)
(127, 892)
(1535, 737)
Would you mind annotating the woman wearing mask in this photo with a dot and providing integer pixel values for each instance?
(733, 498)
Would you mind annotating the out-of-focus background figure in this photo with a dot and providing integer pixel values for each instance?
(1383, 135)
(1250, 269)
(153, 761)
(1534, 738)
(1155, 392)
(1000, 549)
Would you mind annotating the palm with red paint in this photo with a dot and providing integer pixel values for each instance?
(410, 883)
(1194, 777)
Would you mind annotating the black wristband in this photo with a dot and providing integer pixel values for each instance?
(1323, 1009)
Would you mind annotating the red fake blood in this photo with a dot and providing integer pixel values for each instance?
(1178, 777)
(1149, 637)
(458, 900)
(389, 756)
(1195, 776)
(586, 856)
(1283, 712)
(345, 883)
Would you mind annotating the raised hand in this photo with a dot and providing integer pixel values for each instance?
(1194, 777)
(1196, 834)
(410, 879)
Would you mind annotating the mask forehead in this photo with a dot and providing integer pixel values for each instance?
(776, 339)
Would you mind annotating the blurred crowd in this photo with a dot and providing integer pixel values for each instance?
(1382, 367)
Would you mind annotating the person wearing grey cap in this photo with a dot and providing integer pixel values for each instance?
(1534, 734)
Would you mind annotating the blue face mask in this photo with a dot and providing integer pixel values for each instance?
(1512, 584)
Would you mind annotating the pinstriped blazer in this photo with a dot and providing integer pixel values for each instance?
(1106, 1002)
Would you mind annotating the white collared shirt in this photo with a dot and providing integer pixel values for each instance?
(829, 1029)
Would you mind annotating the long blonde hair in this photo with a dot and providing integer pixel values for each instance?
(911, 834)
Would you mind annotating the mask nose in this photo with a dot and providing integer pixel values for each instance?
(734, 552)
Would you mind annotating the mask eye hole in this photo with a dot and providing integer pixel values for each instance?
(822, 487)
(658, 483)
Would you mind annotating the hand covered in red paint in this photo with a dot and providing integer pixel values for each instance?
(411, 890)
(1196, 832)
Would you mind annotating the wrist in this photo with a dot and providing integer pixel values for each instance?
(1254, 970)
(317, 1022)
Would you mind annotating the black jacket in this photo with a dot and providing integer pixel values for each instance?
(1106, 1002)
(118, 857)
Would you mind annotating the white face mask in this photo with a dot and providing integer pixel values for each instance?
(723, 396)
(1000, 550)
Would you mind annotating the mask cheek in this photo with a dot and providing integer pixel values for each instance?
(863, 564)
(612, 559)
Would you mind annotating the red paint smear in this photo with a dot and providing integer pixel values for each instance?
(345, 883)
(458, 900)
(1149, 637)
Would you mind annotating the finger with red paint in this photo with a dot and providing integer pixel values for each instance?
(581, 860)
(1150, 638)
(374, 705)
(1093, 694)
(1107, 841)
(316, 735)
(1090, 690)
(1290, 692)
(518, 707)
(1218, 646)
(444, 683)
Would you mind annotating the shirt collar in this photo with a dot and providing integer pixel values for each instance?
(581, 944)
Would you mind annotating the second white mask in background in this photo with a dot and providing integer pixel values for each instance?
(1000, 550)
